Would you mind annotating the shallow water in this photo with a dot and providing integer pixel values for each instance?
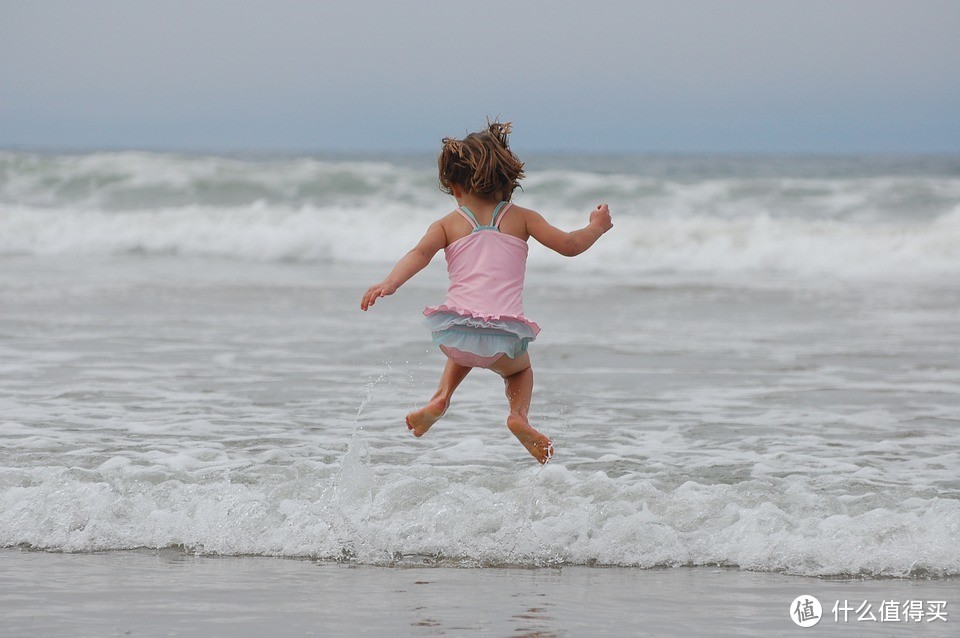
(231, 407)
(758, 367)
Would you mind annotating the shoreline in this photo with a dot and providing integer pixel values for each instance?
(170, 593)
(431, 562)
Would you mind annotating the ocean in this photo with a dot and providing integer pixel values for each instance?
(757, 369)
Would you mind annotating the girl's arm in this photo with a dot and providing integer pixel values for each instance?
(572, 243)
(410, 264)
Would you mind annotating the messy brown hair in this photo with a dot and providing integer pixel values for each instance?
(481, 163)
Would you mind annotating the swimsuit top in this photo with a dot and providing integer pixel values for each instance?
(486, 269)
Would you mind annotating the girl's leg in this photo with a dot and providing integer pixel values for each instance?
(518, 378)
(420, 420)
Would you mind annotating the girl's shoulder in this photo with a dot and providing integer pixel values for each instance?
(522, 212)
(516, 220)
(517, 209)
(450, 221)
(454, 226)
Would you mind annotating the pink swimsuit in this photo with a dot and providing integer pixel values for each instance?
(482, 319)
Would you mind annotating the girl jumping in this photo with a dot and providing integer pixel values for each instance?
(481, 322)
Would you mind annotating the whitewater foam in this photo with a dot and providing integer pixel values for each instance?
(304, 209)
(528, 517)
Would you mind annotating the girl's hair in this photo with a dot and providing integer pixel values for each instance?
(481, 163)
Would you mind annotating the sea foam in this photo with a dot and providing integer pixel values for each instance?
(553, 516)
(305, 209)
(693, 244)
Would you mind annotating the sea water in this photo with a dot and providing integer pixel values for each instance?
(759, 366)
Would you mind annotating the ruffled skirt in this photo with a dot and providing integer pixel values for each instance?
(478, 340)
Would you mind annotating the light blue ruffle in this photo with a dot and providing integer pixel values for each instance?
(483, 337)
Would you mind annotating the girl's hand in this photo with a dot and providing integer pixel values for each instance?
(376, 291)
(600, 216)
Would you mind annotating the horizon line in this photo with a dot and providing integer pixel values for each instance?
(560, 152)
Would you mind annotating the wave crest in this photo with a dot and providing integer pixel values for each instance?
(307, 209)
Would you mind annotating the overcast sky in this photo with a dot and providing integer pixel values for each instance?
(333, 75)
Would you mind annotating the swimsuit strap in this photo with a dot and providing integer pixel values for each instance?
(468, 214)
(502, 209)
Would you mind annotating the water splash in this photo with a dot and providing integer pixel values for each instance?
(354, 479)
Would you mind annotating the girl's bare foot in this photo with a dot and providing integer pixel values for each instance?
(536, 443)
(420, 420)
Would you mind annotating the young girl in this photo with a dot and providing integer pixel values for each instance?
(481, 323)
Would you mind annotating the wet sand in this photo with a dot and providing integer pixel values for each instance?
(168, 593)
